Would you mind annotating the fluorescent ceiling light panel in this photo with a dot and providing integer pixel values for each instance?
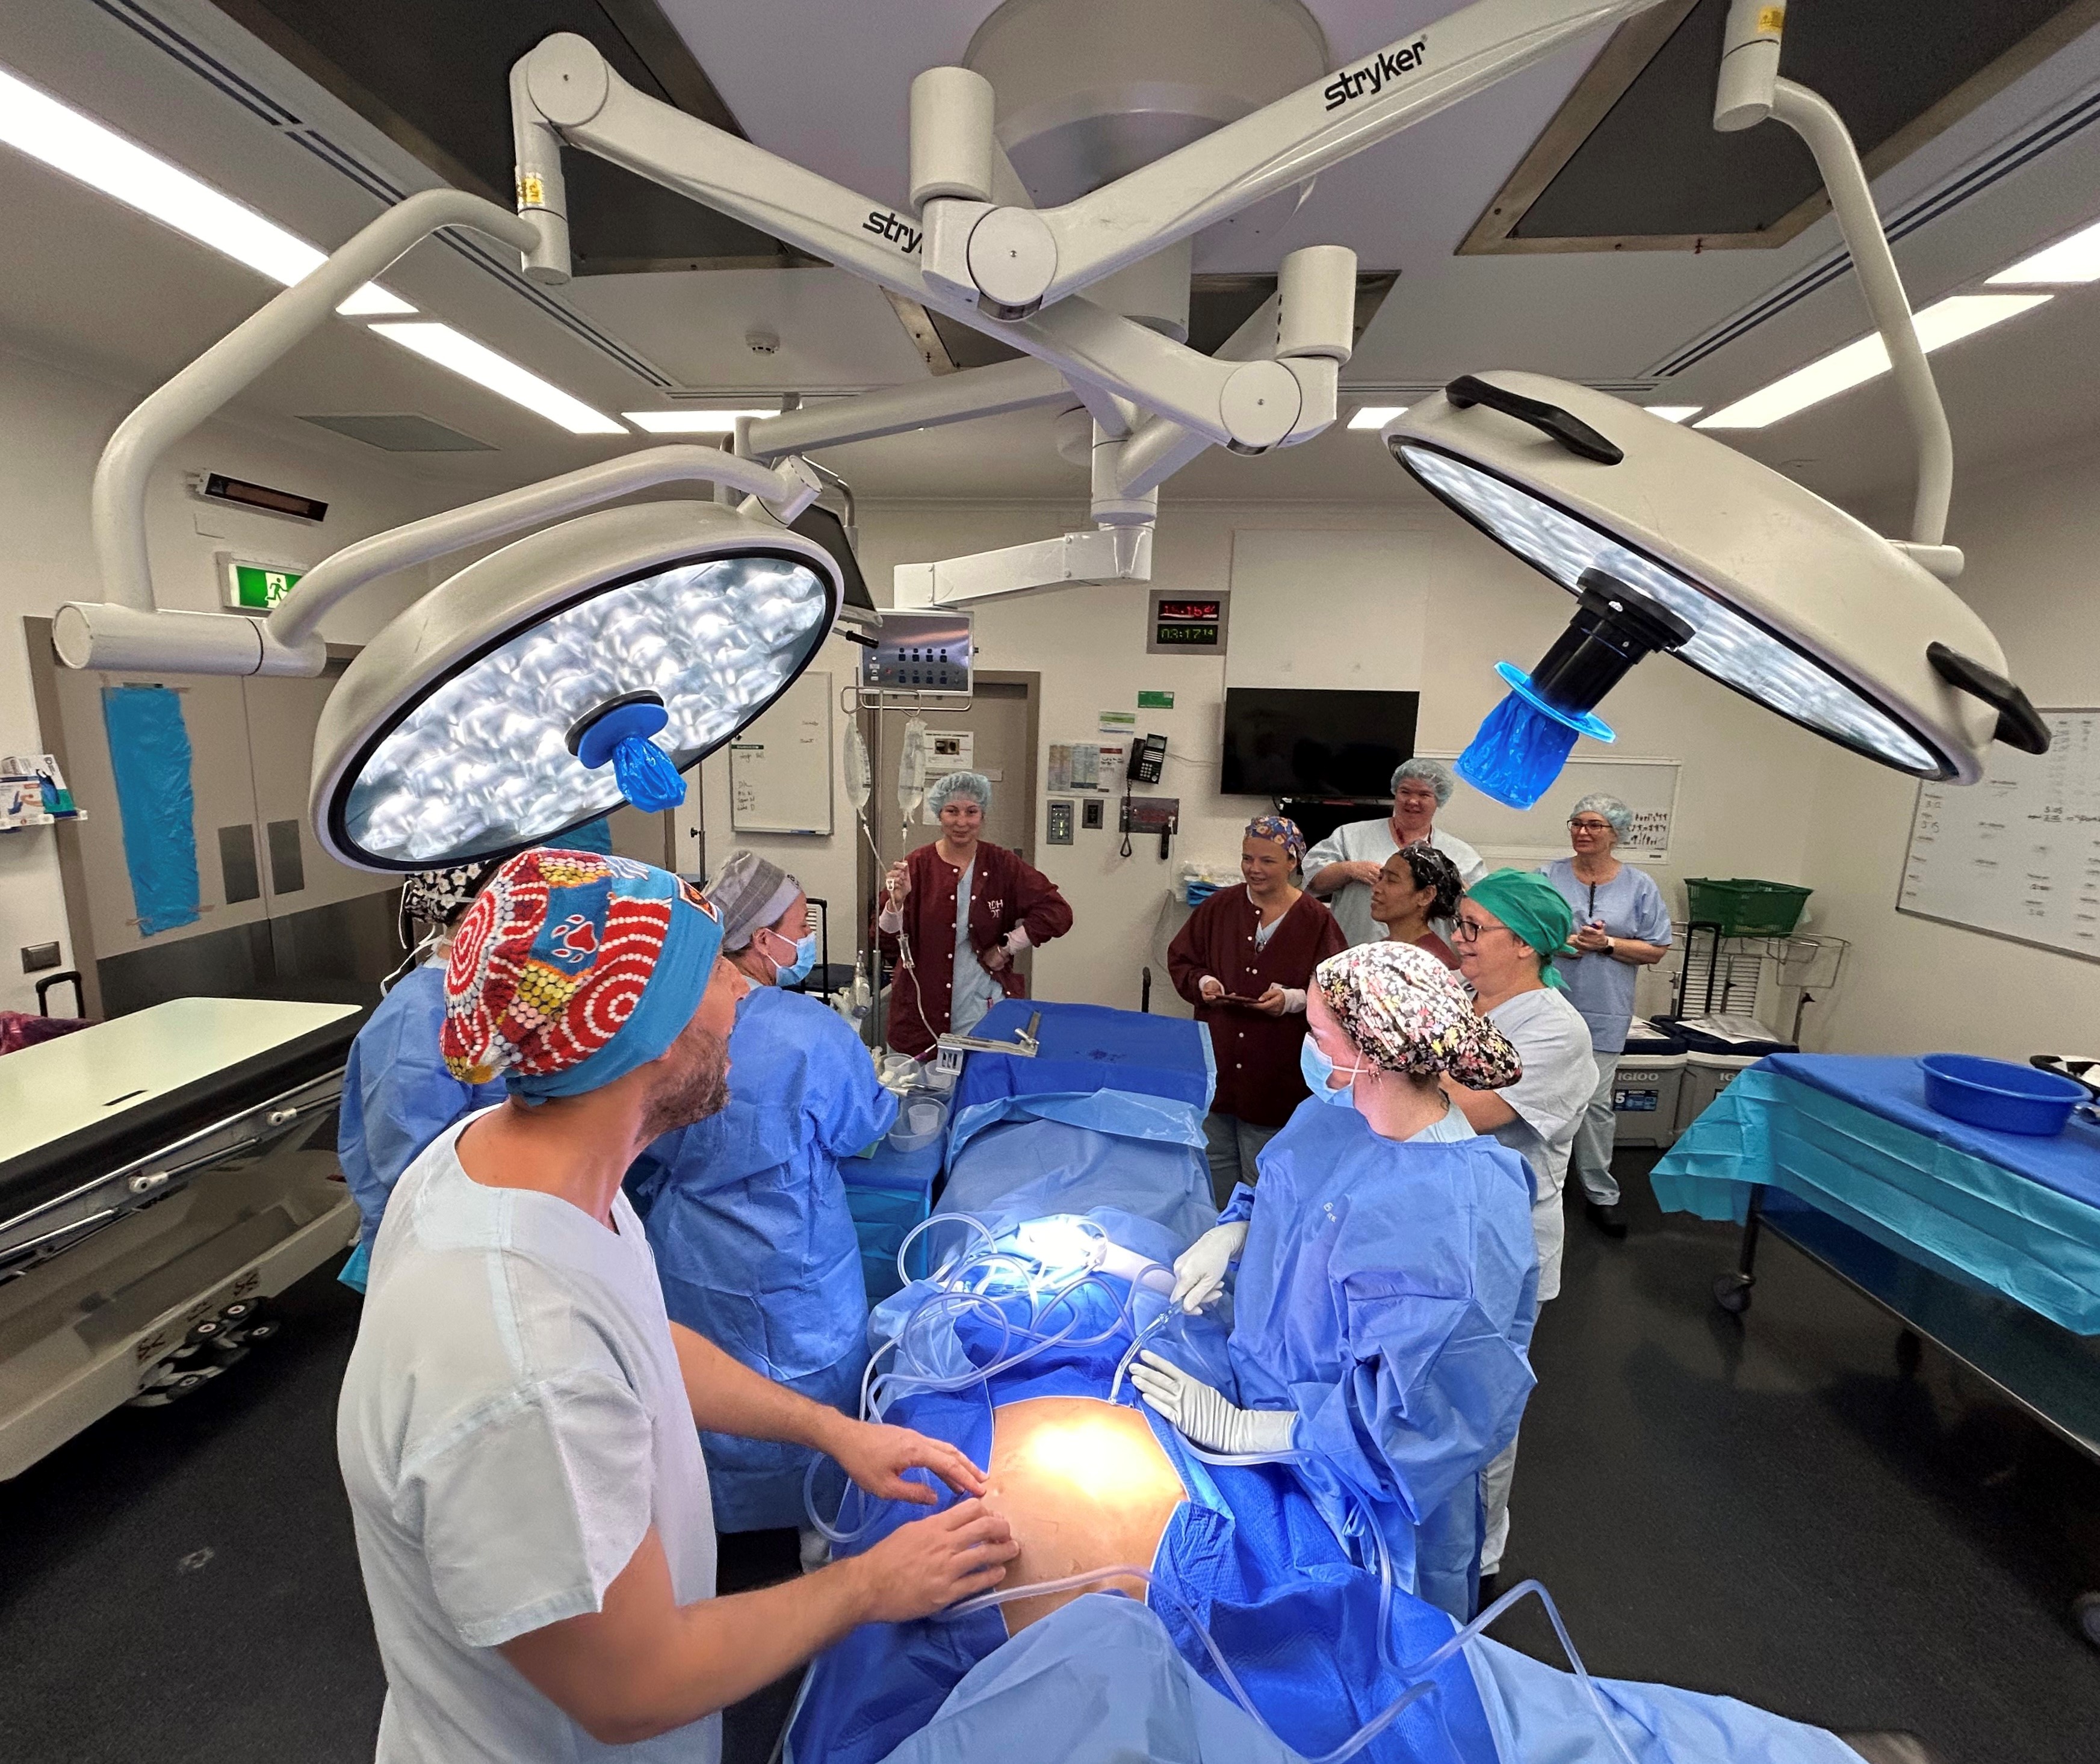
(1376, 416)
(499, 374)
(1673, 412)
(1949, 321)
(2075, 259)
(691, 421)
(41, 126)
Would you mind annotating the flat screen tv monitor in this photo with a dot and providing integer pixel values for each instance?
(1286, 741)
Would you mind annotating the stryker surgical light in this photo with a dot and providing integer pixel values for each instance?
(1762, 584)
(584, 664)
(1788, 599)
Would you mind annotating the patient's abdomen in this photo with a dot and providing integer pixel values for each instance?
(1084, 1485)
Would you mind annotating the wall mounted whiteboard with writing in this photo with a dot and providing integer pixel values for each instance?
(780, 767)
(2017, 855)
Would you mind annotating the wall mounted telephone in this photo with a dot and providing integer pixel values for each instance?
(1148, 760)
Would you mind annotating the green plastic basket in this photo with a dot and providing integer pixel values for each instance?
(1745, 908)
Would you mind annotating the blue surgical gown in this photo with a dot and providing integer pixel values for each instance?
(398, 1097)
(1386, 1292)
(754, 1242)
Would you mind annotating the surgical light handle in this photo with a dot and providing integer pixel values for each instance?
(1750, 90)
(785, 491)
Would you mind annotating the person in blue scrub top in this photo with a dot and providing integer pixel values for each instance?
(397, 1095)
(1622, 926)
(746, 1210)
(1387, 1277)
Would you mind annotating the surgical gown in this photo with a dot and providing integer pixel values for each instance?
(1386, 1292)
(398, 1097)
(754, 1242)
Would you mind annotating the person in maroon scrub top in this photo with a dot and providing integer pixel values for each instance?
(1244, 960)
(956, 914)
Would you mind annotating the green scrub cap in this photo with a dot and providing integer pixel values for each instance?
(1532, 907)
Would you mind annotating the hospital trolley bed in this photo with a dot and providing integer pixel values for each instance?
(160, 1174)
(1986, 1244)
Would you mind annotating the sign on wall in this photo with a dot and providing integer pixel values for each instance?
(248, 586)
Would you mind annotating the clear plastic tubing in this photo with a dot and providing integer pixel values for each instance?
(1423, 1674)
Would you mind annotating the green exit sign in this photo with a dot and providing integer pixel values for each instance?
(256, 587)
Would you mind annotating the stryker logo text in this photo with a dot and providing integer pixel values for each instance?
(1371, 78)
(886, 225)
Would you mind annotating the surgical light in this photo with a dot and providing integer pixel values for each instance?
(2072, 260)
(476, 361)
(35, 123)
(1376, 416)
(507, 706)
(1949, 321)
(692, 421)
(1789, 601)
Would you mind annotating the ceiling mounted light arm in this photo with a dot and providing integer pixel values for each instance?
(127, 630)
(565, 88)
(1750, 90)
(783, 491)
(1018, 260)
(950, 398)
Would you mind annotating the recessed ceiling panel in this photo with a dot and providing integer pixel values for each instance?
(434, 74)
(1633, 160)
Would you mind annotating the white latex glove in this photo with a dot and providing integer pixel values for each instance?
(1211, 986)
(1199, 1271)
(1205, 1417)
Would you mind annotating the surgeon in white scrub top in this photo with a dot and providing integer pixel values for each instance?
(1510, 927)
(518, 1429)
(1344, 867)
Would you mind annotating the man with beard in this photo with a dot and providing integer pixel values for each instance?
(518, 1425)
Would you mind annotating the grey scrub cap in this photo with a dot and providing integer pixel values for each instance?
(973, 785)
(1606, 808)
(1433, 774)
(750, 893)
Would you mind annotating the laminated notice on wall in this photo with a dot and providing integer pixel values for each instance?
(1086, 765)
(1060, 765)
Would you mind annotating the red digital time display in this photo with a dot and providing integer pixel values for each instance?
(1209, 609)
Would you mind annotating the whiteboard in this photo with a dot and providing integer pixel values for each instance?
(2017, 855)
(780, 767)
(1647, 786)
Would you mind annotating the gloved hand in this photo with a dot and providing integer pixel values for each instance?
(1199, 1271)
(1205, 1417)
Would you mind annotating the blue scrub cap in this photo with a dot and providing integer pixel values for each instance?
(1607, 808)
(973, 785)
(1432, 772)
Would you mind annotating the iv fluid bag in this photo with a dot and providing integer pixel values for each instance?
(859, 784)
(912, 770)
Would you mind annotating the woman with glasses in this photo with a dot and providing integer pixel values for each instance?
(1510, 927)
(1244, 960)
(1418, 889)
(1622, 926)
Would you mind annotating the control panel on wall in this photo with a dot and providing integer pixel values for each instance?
(920, 652)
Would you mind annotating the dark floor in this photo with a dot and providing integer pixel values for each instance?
(1768, 1506)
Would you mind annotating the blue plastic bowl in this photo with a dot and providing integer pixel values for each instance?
(2000, 1095)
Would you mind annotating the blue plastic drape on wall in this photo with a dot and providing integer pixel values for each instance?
(149, 751)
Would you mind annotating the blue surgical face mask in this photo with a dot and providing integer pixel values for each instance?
(806, 958)
(1317, 1069)
(786, 973)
